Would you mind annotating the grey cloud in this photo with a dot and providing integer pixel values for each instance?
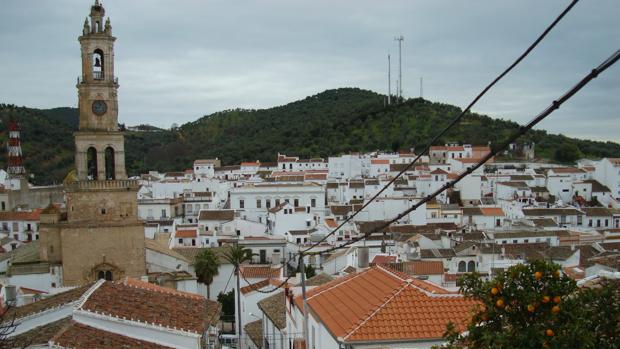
(179, 60)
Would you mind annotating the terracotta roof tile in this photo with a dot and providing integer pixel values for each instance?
(216, 215)
(380, 162)
(21, 215)
(259, 271)
(78, 336)
(380, 259)
(387, 299)
(275, 309)
(134, 299)
(186, 234)
(492, 211)
(49, 302)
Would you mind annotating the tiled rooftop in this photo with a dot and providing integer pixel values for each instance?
(394, 308)
(78, 336)
(146, 302)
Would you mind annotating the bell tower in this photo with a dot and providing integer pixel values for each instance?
(100, 236)
(100, 149)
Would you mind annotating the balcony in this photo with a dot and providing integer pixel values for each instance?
(98, 75)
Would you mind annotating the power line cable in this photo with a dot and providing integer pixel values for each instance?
(452, 123)
(522, 130)
(434, 139)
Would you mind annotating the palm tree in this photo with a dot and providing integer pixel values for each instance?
(207, 266)
(236, 256)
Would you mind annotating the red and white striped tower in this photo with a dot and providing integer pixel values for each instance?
(16, 167)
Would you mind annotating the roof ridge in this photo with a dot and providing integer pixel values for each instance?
(341, 282)
(402, 288)
(88, 293)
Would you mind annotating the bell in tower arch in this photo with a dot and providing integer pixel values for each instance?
(97, 62)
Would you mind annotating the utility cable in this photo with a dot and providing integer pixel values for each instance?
(522, 130)
(452, 123)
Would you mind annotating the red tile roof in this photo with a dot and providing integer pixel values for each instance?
(379, 259)
(21, 215)
(138, 300)
(380, 162)
(186, 234)
(78, 336)
(366, 306)
(259, 271)
(492, 211)
(330, 222)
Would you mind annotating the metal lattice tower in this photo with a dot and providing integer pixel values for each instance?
(14, 149)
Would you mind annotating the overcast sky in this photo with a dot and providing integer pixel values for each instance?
(178, 60)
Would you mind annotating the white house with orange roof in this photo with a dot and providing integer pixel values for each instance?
(360, 310)
(122, 314)
(20, 225)
(255, 199)
(379, 167)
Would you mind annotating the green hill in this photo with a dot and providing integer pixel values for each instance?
(329, 123)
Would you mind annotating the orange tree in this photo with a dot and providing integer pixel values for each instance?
(535, 306)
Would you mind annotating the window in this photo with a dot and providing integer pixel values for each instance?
(193, 242)
(277, 202)
(180, 241)
(462, 267)
(3, 206)
(514, 241)
(241, 204)
(268, 203)
(163, 213)
(259, 203)
(471, 266)
(590, 223)
(296, 202)
(606, 222)
(598, 223)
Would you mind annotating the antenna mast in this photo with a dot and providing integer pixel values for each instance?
(389, 80)
(399, 87)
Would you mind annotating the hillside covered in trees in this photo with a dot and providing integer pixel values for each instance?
(329, 123)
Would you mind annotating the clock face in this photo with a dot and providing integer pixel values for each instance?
(99, 107)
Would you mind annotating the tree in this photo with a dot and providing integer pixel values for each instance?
(207, 267)
(236, 256)
(534, 306)
(310, 272)
(567, 152)
(228, 303)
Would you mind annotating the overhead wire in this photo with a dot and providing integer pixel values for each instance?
(521, 131)
(452, 123)
(431, 142)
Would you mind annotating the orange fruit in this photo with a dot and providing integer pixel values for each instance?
(546, 299)
(538, 275)
(531, 308)
(549, 332)
(494, 291)
(555, 309)
(557, 299)
(499, 303)
(556, 274)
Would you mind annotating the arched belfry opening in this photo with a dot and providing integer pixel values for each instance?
(91, 163)
(98, 64)
(109, 164)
